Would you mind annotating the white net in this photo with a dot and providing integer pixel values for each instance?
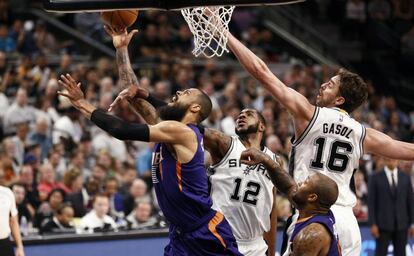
(209, 26)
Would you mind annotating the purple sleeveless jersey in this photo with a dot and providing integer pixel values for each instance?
(182, 189)
(328, 221)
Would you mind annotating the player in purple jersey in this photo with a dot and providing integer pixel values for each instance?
(314, 232)
(178, 173)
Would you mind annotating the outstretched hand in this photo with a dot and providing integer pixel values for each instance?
(120, 38)
(73, 90)
(252, 156)
(129, 93)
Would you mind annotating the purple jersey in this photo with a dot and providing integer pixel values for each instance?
(328, 221)
(182, 189)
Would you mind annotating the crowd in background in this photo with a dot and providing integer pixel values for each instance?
(70, 176)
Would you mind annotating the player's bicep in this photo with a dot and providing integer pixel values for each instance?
(381, 144)
(313, 240)
(216, 142)
(170, 132)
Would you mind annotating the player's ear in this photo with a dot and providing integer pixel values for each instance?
(195, 108)
(339, 101)
(262, 127)
(312, 197)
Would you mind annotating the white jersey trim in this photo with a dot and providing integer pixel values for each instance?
(308, 128)
(361, 141)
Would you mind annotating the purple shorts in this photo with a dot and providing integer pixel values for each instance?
(213, 238)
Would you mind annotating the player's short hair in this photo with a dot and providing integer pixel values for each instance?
(353, 88)
(261, 117)
(206, 106)
(326, 190)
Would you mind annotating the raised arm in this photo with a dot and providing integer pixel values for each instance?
(295, 102)
(280, 178)
(313, 240)
(381, 144)
(168, 132)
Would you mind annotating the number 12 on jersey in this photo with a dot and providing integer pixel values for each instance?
(251, 191)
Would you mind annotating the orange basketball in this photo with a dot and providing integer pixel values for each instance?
(119, 19)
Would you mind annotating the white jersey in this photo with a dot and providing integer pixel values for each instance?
(332, 144)
(244, 194)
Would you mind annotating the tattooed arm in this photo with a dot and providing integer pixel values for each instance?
(145, 109)
(217, 143)
(313, 240)
(280, 178)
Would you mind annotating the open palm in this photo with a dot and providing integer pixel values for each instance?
(73, 90)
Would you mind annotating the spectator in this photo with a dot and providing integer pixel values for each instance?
(47, 181)
(98, 219)
(82, 200)
(26, 178)
(45, 41)
(116, 199)
(18, 112)
(48, 208)
(61, 222)
(78, 162)
(129, 176)
(361, 188)
(20, 141)
(23, 207)
(41, 136)
(391, 208)
(141, 217)
(137, 192)
(72, 181)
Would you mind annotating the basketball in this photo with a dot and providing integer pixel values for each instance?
(119, 19)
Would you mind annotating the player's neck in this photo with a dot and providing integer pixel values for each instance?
(189, 119)
(251, 140)
(306, 213)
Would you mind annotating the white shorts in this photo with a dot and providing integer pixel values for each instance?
(346, 226)
(254, 247)
(348, 230)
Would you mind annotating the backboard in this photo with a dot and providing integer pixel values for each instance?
(100, 5)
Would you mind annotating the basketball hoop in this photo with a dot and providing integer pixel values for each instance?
(210, 26)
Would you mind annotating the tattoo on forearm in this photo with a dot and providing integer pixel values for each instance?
(126, 74)
(146, 110)
(280, 178)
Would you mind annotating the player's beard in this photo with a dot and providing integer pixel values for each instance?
(175, 112)
(299, 201)
(250, 129)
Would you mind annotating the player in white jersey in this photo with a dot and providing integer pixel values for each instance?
(328, 140)
(244, 194)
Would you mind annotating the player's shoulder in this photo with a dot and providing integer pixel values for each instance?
(313, 233)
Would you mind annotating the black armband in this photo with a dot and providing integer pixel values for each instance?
(119, 128)
(155, 102)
